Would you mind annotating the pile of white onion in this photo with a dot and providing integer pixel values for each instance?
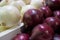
(12, 11)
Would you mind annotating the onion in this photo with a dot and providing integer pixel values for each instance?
(27, 1)
(42, 32)
(9, 15)
(25, 8)
(37, 3)
(3, 3)
(22, 36)
(18, 4)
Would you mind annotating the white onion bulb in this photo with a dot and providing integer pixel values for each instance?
(9, 15)
(18, 4)
(3, 3)
(37, 3)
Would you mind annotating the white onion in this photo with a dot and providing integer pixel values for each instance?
(18, 4)
(37, 3)
(3, 3)
(9, 1)
(27, 1)
(9, 15)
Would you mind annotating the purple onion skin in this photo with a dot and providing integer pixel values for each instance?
(57, 14)
(33, 17)
(46, 11)
(21, 37)
(42, 32)
(53, 22)
(53, 4)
